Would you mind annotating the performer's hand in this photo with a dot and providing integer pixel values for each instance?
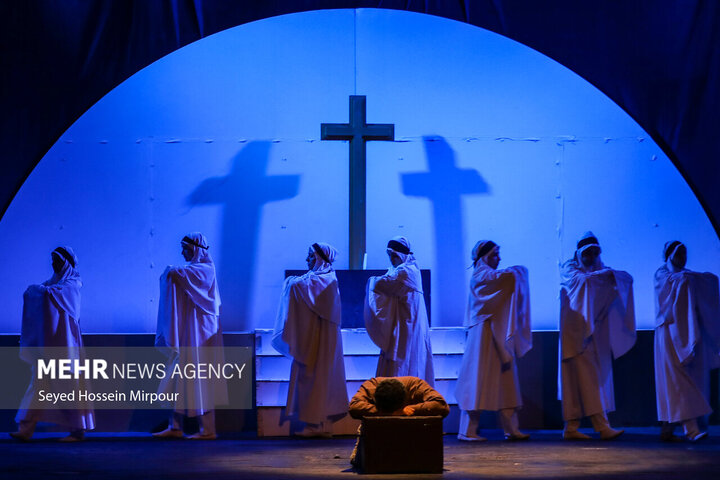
(409, 410)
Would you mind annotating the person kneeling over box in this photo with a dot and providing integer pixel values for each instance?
(393, 411)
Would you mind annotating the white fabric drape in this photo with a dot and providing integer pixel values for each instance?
(307, 329)
(597, 322)
(498, 332)
(188, 330)
(51, 318)
(397, 322)
(687, 342)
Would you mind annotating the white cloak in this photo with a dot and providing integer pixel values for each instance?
(307, 329)
(396, 321)
(51, 314)
(597, 323)
(687, 342)
(188, 319)
(498, 332)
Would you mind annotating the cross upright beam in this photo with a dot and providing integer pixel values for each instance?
(357, 131)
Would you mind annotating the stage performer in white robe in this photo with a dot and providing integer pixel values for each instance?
(189, 332)
(396, 318)
(597, 323)
(51, 316)
(498, 332)
(687, 342)
(307, 329)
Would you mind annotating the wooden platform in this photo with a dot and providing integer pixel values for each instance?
(272, 372)
(538, 375)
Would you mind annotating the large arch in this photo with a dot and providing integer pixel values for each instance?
(494, 140)
(658, 61)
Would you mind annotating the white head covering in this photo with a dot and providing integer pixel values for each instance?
(200, 276)
(482, 249)
(324, 256)
(69, 268)
(401, 247)
(198, 243)
(670, 248)
(588, 240)
(66, 298)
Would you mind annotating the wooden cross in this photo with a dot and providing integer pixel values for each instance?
(358, 132)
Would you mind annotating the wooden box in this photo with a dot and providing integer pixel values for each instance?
(401, 445)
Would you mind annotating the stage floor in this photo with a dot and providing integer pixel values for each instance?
(636, 455)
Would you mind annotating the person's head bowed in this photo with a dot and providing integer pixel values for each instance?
(389, 396)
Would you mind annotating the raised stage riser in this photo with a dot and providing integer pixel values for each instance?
(361, 357)
(538, 376)
(357, 367)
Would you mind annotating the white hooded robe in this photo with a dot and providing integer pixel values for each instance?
(189, 332)
(687, 342)
(498, 332)
(597, 323)
(307, 329)
(397, 322)
(51, 319)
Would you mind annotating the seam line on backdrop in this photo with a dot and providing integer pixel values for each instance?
(561, 229)
(355, 52)
(561, 140)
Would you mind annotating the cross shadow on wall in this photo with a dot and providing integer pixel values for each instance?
(444, 184)
(242, 194)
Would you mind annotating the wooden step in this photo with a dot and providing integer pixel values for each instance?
(272, 372)
(274, 394)
(444, 340)
(357, 367)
